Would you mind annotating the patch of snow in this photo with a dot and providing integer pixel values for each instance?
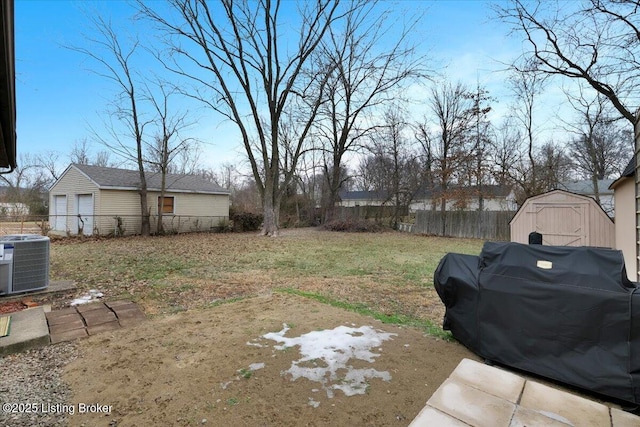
(93, 295)
(225, 385)
(276, 335)
(325, 355)
(313, 403)
(255, 344)
(256, 366)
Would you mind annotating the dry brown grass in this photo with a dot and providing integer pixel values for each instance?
(389, 273)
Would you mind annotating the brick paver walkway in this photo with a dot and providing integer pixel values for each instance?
(89, 319)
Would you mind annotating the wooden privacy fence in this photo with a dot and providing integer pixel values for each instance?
(367, 212)
(487, 225)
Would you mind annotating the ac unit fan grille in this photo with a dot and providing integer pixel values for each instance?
(30, 265)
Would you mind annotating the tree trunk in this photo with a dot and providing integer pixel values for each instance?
(443, 210)
(271, 211)
(145, 228)
(334, 189)
(163, 191)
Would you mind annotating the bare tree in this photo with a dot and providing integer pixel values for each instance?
(599, 148)
(527, 86)
(103, 159)
(251, 75)
(554, 166)
(27, 184)
(168, 143)
(477, 168)
(115, 59)
(364, 78)
(49, 162)
(505, 152)
(396, 160)
(597, 43)
(80, 152)
(448, 142)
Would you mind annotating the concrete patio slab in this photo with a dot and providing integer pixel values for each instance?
(623, 419)
(430, 417)
(55, 287)
(469, 397)
(525, 417)
(497, 382)
(486, 410)
(28, 329)
(559, 404)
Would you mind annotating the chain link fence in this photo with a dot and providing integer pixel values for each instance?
(109, 225)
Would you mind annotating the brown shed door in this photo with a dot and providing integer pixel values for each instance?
(561, 225)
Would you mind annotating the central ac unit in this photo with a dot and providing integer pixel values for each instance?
(24, 263)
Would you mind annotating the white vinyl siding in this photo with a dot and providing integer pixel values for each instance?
(191, 204)
(72, 183)
(120, 203)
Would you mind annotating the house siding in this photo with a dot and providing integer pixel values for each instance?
(192, 212)
(72, 183)
(193, 204)
(624, 198)
(124, 204)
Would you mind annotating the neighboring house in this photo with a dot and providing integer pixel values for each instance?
(563, 219)
(624, 196)
(495, 198)
(585, 188)
(87, 199)
(362, 198)
(13, 209)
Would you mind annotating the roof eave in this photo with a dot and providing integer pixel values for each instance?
(7, 88)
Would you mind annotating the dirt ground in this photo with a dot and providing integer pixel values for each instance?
(205, 367)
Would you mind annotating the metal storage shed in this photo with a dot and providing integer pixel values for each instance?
(563, 219)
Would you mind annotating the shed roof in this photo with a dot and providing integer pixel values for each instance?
(551, 194)
(126, 179)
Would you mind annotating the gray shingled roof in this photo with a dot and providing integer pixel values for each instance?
(586, 186)
(113, 178)
(487, 191)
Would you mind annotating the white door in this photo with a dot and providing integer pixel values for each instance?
(85, 214)
(59, 220)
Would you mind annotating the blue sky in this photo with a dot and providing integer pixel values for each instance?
(59, 98)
